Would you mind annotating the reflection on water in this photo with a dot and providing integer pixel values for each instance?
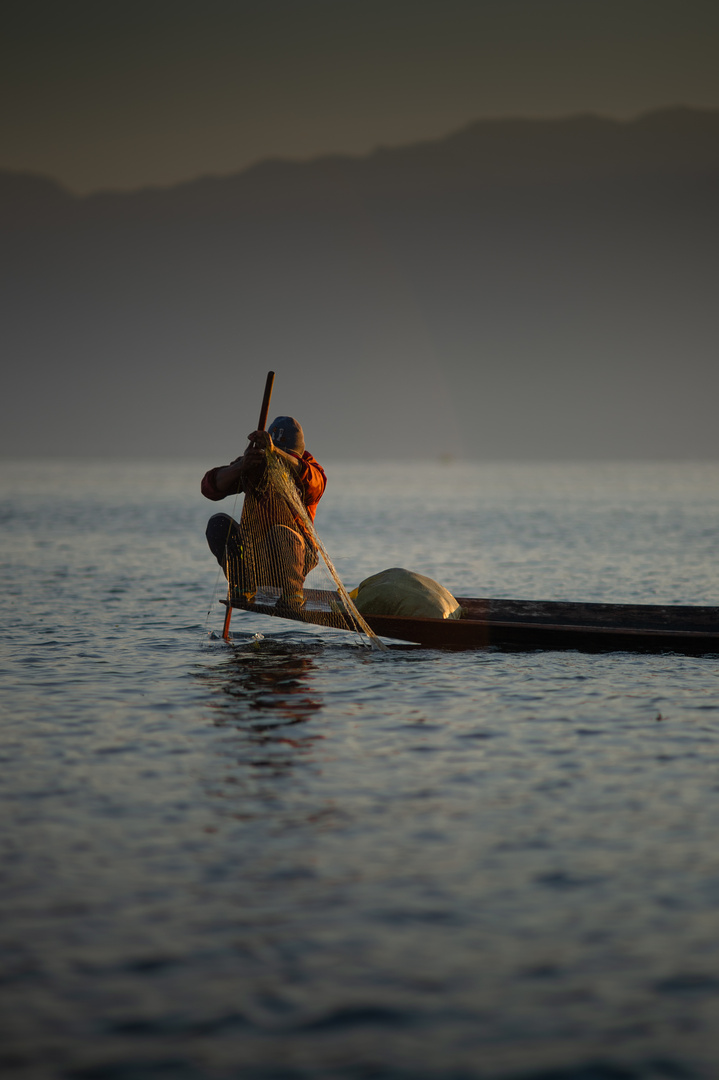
(275, 679)
(265, 695)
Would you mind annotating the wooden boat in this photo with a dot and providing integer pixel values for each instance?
(528, 624)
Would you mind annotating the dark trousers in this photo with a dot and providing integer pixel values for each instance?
(281, 558)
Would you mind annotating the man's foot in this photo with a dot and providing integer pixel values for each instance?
(242, 597)
(289, 605)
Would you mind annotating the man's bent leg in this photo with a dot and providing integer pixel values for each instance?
(229, 547)
(287, 550)
(220, 528)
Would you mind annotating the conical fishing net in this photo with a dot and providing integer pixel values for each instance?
(277, 564)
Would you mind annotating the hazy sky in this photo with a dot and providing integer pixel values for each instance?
(124, 93)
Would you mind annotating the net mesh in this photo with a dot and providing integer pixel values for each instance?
(276, 562)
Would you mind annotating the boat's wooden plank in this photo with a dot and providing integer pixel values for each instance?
(528, 624)
(477, 634)
(649, 616)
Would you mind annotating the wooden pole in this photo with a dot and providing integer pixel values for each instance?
(228, 616)
(261, 425)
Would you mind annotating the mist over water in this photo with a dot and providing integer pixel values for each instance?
(292, 856)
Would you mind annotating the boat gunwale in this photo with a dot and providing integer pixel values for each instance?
(533, 631)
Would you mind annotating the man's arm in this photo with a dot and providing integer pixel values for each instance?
(230, 479)
(221, 481)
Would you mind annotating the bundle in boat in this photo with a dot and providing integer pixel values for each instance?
(400, 593)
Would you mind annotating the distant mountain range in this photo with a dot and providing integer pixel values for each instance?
(669, 143)
(519, 288)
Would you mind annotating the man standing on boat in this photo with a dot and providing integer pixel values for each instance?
(271, 545)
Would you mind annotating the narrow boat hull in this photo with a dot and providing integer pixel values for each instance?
(532, 624)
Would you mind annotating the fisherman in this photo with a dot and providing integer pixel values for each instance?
(271, 545)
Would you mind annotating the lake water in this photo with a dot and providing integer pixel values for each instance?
(293, 857)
